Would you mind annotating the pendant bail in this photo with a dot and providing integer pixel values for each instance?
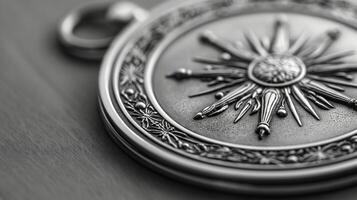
(121, 14)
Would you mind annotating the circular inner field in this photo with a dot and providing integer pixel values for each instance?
(173, 101)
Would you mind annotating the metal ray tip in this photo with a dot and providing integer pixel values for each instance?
(354, 103)
(262, 131)
(334, 34)
(238, 118)
(317, 117)
(282, 113)
(199, 60)
(180, 74)
(281, 19)
(261, 134)
(300, 123)
(199, 116)
(172, 75)
(226, 57)
(207, 36)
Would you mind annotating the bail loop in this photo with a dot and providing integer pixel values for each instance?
(121, 14)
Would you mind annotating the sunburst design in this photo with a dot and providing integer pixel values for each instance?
(268, 73)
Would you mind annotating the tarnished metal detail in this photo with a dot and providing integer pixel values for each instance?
(287, 92)
(152, 116)
(301, 98)
(270, 99)
(225, 101)
(139, 107)
(282, 112)
(277, 65)
(330, 93)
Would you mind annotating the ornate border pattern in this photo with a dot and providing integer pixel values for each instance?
(134, 97)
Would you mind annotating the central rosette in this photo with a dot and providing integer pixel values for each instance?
(275, 70)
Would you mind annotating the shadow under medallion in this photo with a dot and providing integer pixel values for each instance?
(173, 95)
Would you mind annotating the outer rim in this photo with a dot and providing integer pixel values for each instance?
(156, 154)
(215, 183)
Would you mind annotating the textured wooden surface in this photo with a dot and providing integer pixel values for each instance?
(52, 142)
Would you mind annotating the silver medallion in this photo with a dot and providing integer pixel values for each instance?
(242, 95)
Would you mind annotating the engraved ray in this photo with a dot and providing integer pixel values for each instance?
(244, 110)
(218, 88)
(328, 68)
(298, 44)
(257, 106)
(280, 43)
(265, 41)
(219, 80)
(333, 81)
(335, 87)
(218, 111)
(321, 99)
(321, 47)
(226, 100)
(324, 101)
(248, 104)
(300, 97)
(343, 75)
(187, 73)
(331, 57)
(236, 93)
(287, 93)
(212, 39)
(329, 93)
(270, 101)
(241, 101)
(317, 102)
(234, 64)
(255, 43)
(272, 61)
(339, 75)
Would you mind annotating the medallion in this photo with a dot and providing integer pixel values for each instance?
(251, 96)
(268, 73)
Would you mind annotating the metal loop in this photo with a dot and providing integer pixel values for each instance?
(94, 49)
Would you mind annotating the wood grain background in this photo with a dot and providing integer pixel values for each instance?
(52, 142)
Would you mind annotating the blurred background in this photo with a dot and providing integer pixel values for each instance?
(53, 144)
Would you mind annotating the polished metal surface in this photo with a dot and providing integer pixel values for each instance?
(273, 63)
(238, 95)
